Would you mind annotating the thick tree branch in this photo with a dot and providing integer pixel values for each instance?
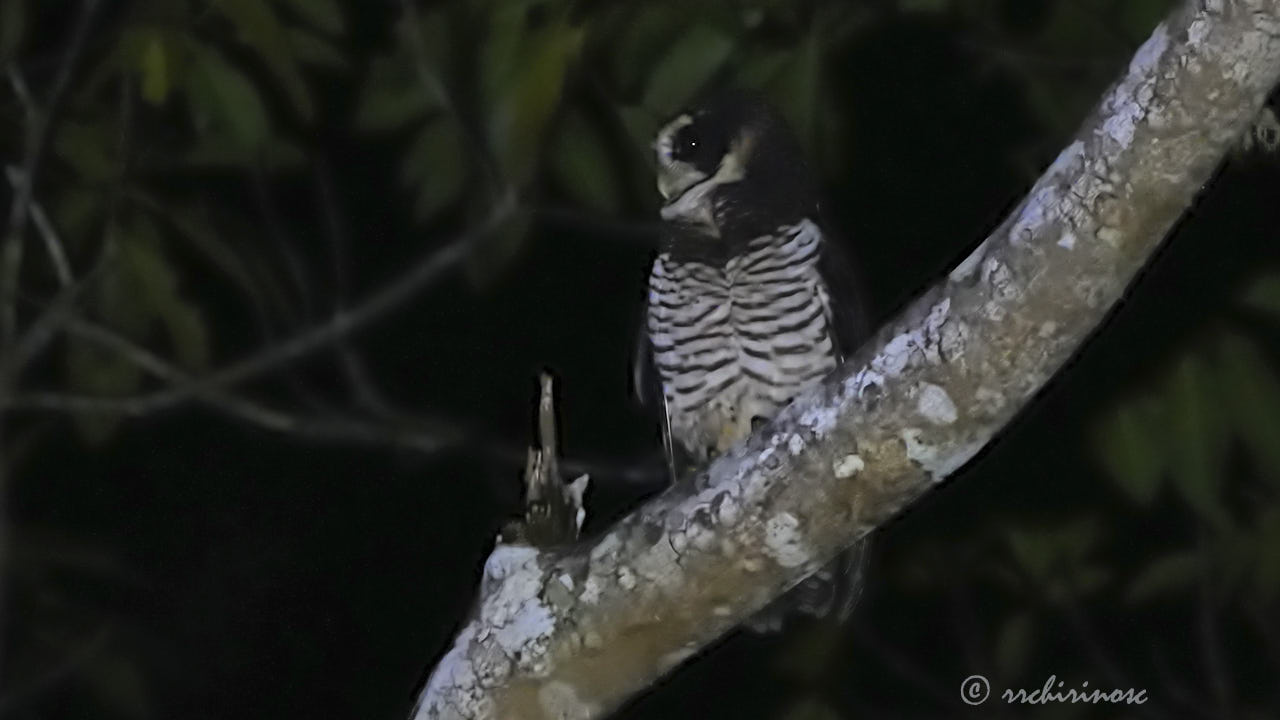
(571, 633)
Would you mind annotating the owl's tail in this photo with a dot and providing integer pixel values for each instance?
(831, 592)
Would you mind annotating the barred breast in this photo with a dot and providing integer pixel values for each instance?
(738, 340)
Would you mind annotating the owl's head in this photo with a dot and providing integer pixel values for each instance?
(731, 159)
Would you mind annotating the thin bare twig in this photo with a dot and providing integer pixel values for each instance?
(56, 675)
(420, 435)
(436, 90)
(900, 664)
(389, 297)
(37, 134)
(52, 242)
(37, 139)
(366, 392)
(1210, 639)
(348, 429)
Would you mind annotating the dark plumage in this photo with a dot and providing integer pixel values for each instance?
(748, 302)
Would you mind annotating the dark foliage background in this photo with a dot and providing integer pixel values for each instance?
(224, 174)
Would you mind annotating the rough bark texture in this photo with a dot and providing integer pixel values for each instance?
(571, 633)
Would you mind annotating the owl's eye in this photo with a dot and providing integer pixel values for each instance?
(685, 145)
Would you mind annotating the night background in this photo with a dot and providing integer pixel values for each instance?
(304, 539)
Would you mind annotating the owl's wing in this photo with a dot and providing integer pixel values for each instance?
(646, 386)
(847, 309)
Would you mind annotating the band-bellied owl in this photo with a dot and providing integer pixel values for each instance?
(746, 307)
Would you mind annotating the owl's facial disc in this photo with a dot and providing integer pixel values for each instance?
(676, 171)
(695, 158)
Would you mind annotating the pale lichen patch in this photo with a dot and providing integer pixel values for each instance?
(1109, 235)
(918, 451)
(1128, 103)
(659, 566)
(560, 700)
(783, 541)
(866, 380)
(590, 591)
(848, 466)
(935, 405)
(726, 508)
(626, 578)
(795, 444)
(608, 546)
(894, 356)
(454, 689)
(988, 401)
(955, 336)
(922, 342)
(821, 420)
(998, 275)
(513, 609)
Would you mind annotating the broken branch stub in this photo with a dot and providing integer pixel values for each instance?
(553, 511)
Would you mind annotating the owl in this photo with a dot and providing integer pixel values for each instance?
(750, 301)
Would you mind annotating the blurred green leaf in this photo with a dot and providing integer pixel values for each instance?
(221, 92)
(214, 151)
(1264, 294)
(1013, 644)
(393, 96)
(581, 164)
(1089, 579)
(808, 655)
(1196, 439)
(924, 6)
(1126, 441)
(119, 684)
(156, 76)
(315, 50)
(810, 708)
(1252, 393)
(1163, 576)
(155, 281)
(526, 91)
(687, 66)
(797, 91)
(436, 164)
(1078, 537)
(642, 126)
(1047, 551)
(258, 27)
(1032, 550)
(86, 147)
(192, 226)
(1267, 569)
(763, 69)
(495, 252)
(91, 370)
(638, 41)
(76, 212)
(325, 15)
(13, 24)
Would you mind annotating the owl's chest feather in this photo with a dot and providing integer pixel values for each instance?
(737, 341)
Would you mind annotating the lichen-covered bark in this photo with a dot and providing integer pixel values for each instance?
(572, 633)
